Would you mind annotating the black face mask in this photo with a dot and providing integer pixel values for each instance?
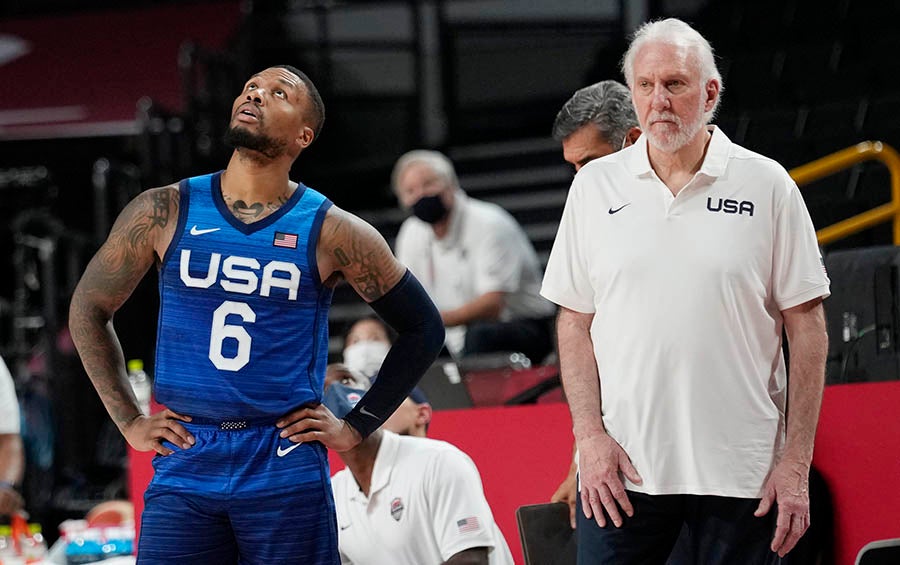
(430, 209)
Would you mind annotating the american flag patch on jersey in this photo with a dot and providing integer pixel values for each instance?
(467, 524)
(288, 240)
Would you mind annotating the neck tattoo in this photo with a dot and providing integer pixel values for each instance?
(250, 212)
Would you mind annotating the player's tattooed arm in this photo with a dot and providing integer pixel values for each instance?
(135, 243)
(355, 249)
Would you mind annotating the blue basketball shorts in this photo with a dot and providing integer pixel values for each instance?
(239, 496)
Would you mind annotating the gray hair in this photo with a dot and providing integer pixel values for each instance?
(436, 161)
(673, 31)
(607, 104)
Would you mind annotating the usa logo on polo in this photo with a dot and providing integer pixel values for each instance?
(396, 508)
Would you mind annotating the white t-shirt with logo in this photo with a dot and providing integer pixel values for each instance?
(687, 294)
(9, 404)
(485, 250)
(425, 504)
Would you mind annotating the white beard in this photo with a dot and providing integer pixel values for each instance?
(673, 141)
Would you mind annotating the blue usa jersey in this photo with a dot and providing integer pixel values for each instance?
(243, 315)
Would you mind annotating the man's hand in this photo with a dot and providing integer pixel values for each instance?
(568, 492)
(146, 433)
(788, 485)
(10, 501)
(602, 459)
(319, 424)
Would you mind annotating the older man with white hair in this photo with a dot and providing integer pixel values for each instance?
(677, 264)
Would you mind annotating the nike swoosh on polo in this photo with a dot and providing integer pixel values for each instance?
(613, 211)
(282, 451)
(195, 231)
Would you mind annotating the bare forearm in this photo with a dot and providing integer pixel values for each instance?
(12, 459)
(103, 360)
(488, 306)
(809, 345)
(578, 371)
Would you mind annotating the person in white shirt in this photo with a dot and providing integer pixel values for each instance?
(474, 260)
(12, 458)
(677, 264)
(405, 500)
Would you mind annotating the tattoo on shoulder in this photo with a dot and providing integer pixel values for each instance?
(159, 211)
(366, 264)
(342, 258)
(153, 213)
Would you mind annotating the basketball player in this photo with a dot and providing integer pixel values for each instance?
(247, 260)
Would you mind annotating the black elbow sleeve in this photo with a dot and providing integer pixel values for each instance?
(411, 313)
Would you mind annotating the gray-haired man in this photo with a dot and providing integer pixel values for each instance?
(678, 263)
(597, 120)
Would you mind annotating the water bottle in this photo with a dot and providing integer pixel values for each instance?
(34, 546)
(140, 383)
(84, 547)
(119, 541)
(8, 553)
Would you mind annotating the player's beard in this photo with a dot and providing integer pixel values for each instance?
(241, 138)
(673, 141)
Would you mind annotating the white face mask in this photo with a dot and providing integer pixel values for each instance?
(366, 356)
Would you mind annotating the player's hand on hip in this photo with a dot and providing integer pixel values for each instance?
(147, 433)
(602, 459)
(568, 492)
(788, 486)
(317, 423)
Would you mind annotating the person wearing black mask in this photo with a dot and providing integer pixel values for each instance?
(474, 260)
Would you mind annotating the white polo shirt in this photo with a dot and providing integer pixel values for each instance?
(485, 250)
(9, 404)
(425, 504)
(687, 293)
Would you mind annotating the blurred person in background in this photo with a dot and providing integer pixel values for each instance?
(474, 259)
(412, 417)
(408, 500)
(341, 373)
(366, 344)
(12, 455)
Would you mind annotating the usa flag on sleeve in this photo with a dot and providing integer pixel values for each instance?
(467, 524)
(288, 240)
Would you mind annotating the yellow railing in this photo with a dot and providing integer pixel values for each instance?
(830, 164)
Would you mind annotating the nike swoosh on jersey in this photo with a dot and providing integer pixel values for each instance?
(282, 451)
(195, 231)
(613, 211)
